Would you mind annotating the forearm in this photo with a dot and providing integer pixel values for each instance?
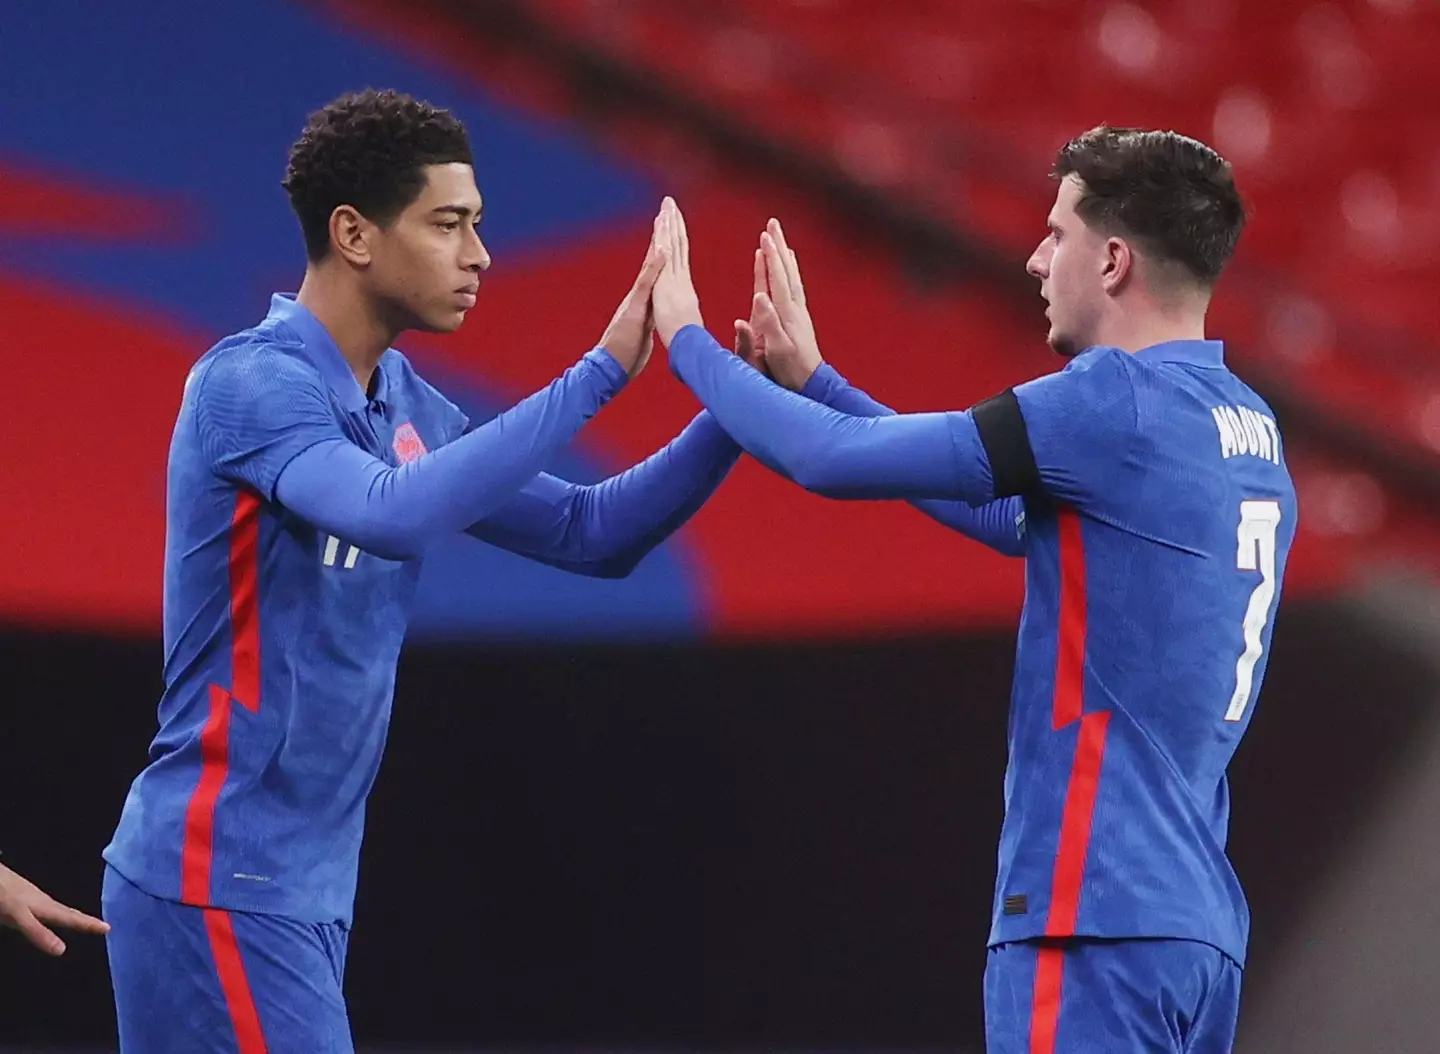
(605, 529)
(994, 524)
(830, 453)
(399, 512)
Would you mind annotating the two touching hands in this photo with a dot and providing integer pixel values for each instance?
(778, 338)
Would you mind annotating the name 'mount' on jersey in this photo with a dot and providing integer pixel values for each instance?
(1246, 431)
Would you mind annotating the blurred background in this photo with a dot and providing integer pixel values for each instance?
(747, 798)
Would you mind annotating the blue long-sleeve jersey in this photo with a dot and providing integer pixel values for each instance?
(298, 509)
(1158, 514)
(998, 524)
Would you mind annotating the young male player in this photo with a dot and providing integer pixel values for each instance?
(309, 471)
(1146, 486)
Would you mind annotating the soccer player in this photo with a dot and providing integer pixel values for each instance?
(27, 908)
(310, 469)
(1147, 488)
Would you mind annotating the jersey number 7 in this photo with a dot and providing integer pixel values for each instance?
(1258, 523)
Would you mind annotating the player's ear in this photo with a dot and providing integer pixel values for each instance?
(1117, 263)
(350, 235)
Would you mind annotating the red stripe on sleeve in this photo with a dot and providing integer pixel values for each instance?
(238, 998)
(1075, 825)
(1045, 1013)
(1070, 652)
(196, 855)
(245, 601)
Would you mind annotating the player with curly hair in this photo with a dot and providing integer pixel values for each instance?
(310, 469)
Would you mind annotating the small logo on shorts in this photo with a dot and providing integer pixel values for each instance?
(408, 444)
(1017, 904)
(251, 878)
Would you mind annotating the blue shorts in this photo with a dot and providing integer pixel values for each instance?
(206, 981)
(1090, 996)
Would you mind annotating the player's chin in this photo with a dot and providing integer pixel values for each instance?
(1060, 344)
(442, 320)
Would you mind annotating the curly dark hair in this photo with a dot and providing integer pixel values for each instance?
(1173, 194)
(368, 150)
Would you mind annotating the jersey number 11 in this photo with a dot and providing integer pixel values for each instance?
(1258, 523)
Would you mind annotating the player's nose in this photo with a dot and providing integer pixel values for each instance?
(1037, 266)
(478, 259)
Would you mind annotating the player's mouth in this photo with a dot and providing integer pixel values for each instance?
(466, 296)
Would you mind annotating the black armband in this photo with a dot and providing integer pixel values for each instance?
(1007, 444)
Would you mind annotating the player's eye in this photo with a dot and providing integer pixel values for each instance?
(450, 225)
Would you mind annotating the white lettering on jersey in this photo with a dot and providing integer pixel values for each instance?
(332, 550)
(1246, 431)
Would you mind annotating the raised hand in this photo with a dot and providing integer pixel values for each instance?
(23, 906)
(631, 333)
(779, 319)
(676, 304)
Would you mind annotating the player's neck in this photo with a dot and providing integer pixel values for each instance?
(1135, 331)
(358, 331)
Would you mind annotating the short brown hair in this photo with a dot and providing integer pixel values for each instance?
(1173, 194)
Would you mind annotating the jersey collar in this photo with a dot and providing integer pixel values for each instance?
(1210, 353)
(322, 351)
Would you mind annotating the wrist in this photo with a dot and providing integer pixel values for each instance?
(822, 383)
(797, 377)
(613, 371)
(671, 328)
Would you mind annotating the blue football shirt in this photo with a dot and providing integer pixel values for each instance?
(1154, 562)
(1156, 531)
(299, 508)
(281, 640)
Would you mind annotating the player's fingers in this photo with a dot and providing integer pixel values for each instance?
(671, 239)
(787, 257)
(776, 231)
(761, 285)
(767, 321)
(773, 228)
(682, 236)
(650, 270)
(36, 933)
(775, 272)
(58, 914)
(657, 229)
(797, 287)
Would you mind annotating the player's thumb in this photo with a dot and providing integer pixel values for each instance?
(744, 339)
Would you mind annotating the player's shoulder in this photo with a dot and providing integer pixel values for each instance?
(263, 358)
(1092, 392)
